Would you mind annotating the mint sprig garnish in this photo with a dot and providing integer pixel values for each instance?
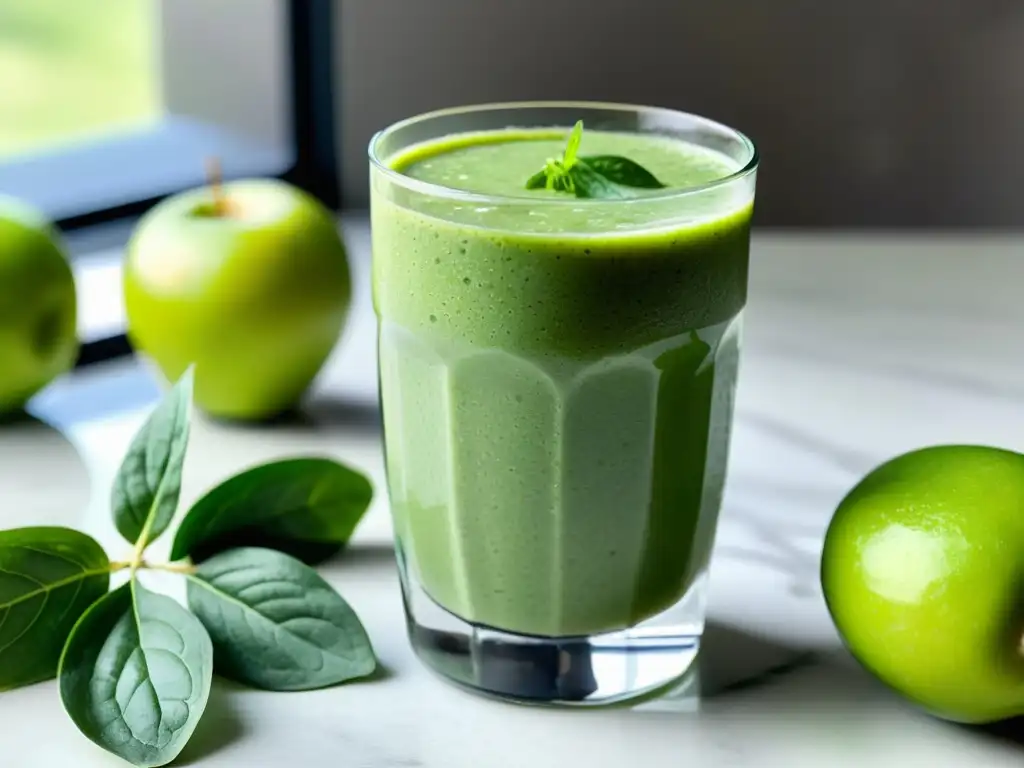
(607, 177)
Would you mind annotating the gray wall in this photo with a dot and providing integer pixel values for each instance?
(229, 73)
(868, 113)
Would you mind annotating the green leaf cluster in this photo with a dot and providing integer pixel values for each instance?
(135, 667)
(603, 177)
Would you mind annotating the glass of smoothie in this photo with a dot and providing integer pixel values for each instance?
(558, 354)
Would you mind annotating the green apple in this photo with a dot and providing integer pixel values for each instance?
(923, 574)
(38, 306)
(249, 282)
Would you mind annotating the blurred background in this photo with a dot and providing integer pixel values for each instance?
(894, 113)
(876, 114)
(887, 113)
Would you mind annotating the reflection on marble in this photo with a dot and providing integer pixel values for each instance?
(731, 660)
(781, 541)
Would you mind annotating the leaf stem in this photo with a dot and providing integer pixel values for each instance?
(183, 568)
(572, 146)
(143, 565)
(140, 549)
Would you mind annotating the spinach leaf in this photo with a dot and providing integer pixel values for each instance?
(147, 486)
(276, 624)
(48, 578)
(135, 675)
(307, 507)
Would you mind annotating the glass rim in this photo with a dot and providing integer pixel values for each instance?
(432, 189)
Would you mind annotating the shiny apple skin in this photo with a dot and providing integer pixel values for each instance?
(256, 298)
(38, 305)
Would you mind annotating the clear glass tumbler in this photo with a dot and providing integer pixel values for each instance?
(557, 379)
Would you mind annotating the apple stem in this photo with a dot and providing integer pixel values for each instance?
(215, 179)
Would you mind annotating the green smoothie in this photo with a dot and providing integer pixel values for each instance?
(557, 379)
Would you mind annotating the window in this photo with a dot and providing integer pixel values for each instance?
(110, 105)
(73, 71)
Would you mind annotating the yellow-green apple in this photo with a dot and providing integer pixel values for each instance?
(923, 573)
(248, 281)
(38, 306)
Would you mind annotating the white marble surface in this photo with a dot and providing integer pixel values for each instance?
(856, 348)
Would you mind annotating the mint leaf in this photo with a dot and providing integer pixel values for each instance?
(623, 171)
(539, 180)
(136, 674)
(48, 578)
(588, 183)
(573, 146)
(307, 507)
(148, 483)
(276, 624)
(606, 177)
(554, 176)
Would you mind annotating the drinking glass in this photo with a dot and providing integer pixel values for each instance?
(557, 379)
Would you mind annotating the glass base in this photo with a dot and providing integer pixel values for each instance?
(590, 670)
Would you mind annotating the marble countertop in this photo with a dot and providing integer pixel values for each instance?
(856, 347)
